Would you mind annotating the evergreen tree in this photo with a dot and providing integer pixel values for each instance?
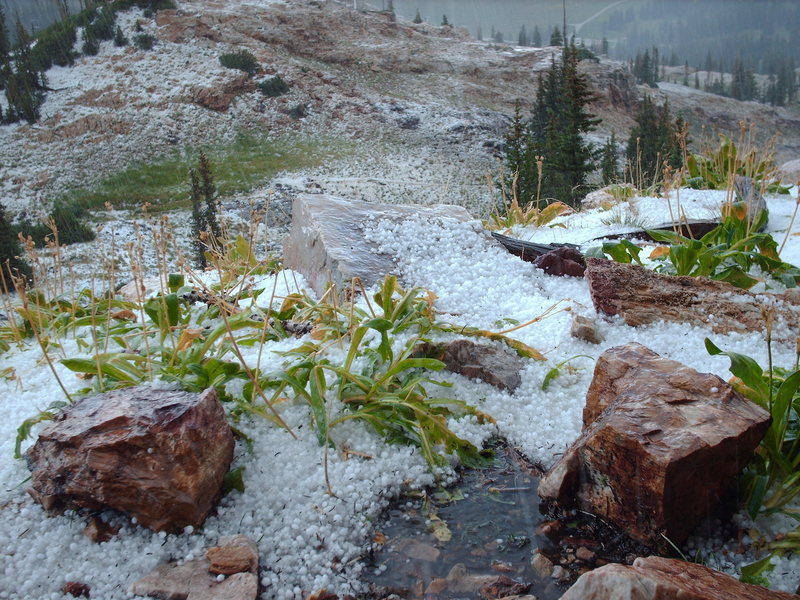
(555, 132)
(11, 262)
(418, 18)
(653, 142)
(209, 196)
(555, 37)
(536, 37)
(498, 37)
(90, 44)
(522, 38)
(24, 84)
(119, 38)
(479, 34)
(609, 167)
(445, 22)
(5, 51)
(604, 46)
(199, 224)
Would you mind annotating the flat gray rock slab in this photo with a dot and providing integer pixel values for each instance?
(327, 241)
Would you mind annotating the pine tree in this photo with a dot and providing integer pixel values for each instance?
(119, 38)
(90, 44)
(24, 84)
(555, 37)
(536, 37)
(479, 34)
(555, 131)
(522, 38)
(604, 46)
(11, 263)
(418, 18)
(199, 224)
(445, 22)
(5, 51)
(609, 167)
(209, 196)
(654, 141)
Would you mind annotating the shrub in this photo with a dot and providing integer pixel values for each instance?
(10, 251)
(119, 38)
(144, 41)
(90, 45)
(273, 87)
(68, 220)
(242, 60)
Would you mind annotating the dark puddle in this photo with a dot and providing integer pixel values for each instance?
(487, 537)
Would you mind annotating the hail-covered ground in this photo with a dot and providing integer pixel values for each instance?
(309, 539)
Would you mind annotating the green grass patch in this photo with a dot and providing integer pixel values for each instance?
(247, 162)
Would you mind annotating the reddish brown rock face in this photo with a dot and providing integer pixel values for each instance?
(158, 455)
(660, 446)
(641, 296)
(656, 578)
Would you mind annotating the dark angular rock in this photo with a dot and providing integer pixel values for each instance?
(493, 365)
(561, 262)
(157, 455)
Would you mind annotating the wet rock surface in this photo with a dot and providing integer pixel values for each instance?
(485, 538)
(159, 456)
(562, 262)
(641, 296)
(683, 435)
(655, 578)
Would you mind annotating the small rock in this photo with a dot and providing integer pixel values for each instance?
(193, 580)
(235, 554)
(657, 578)
(549, 528)
(459, 580)
(503, 567)
(560, 573)
(541, 565)
(418, 550)
(76, 589)
(584, 554)
(562, 261)
(98, 530)
(436, 586)
(322, 594)
(501, 587)
(585, 329)
(488, 363)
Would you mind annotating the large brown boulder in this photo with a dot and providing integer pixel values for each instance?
(661, 444)
(657, 578)
(158, 455)
(641, 296)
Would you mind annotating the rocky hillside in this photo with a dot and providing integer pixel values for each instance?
(425, 107)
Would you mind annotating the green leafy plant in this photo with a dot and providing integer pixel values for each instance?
(771, 481)
(715, 168)
(726, 253)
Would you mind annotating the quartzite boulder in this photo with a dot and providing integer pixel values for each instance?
(158, 455)
(661, 444)
(327, 241)
(641, 297)
(655, 578)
